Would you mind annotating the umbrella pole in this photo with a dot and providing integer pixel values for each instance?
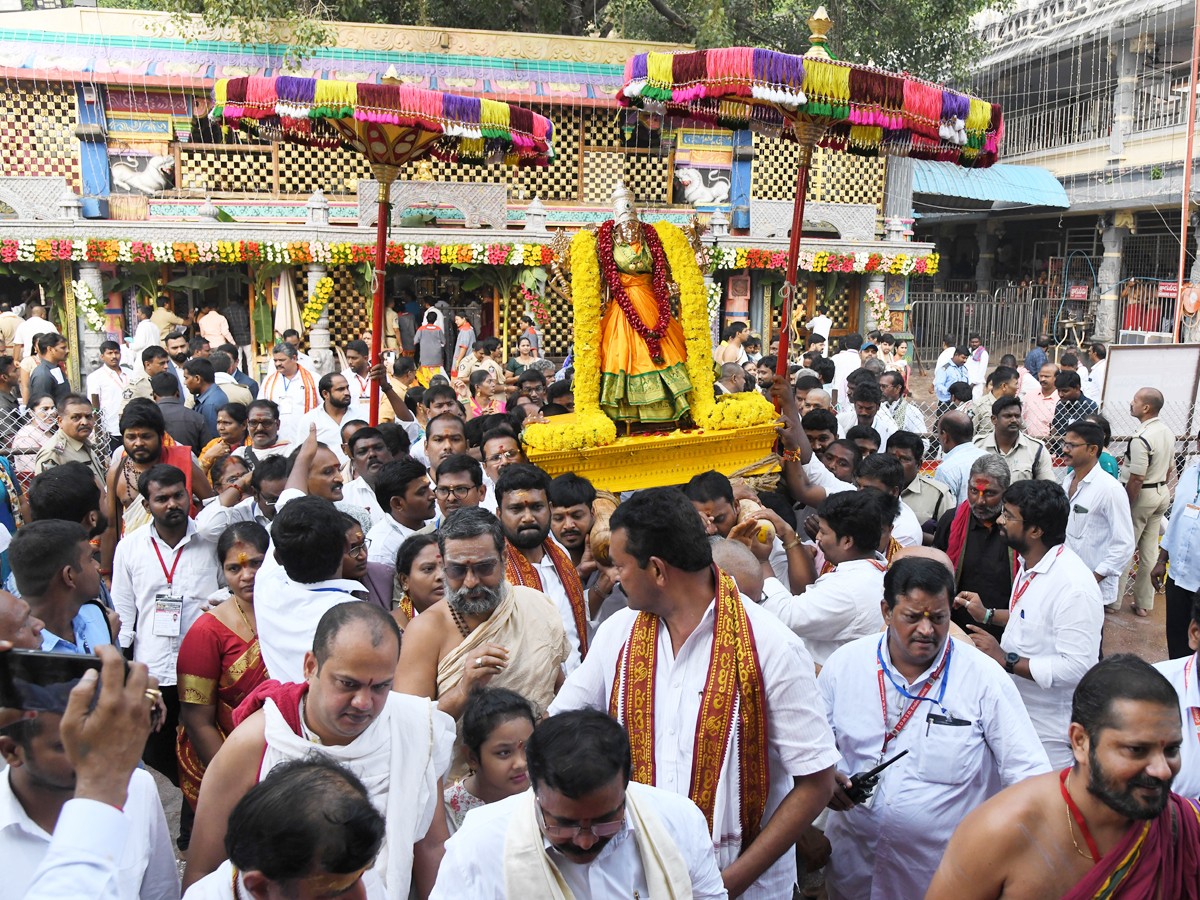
(385, 175)
(808, 132)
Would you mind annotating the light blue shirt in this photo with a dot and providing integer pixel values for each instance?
(91, 631)
(1182, 537)
(946, 376)
(955, 467)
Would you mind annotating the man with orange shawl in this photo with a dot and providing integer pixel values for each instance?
(1109, 826)
(718, 696)
(643, 373)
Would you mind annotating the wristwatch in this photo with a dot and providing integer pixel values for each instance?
(1010, 662)
(987, 616)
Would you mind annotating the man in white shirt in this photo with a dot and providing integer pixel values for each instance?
(336, 407)
(358, 371)
(33, 791)
(977, 364)
(822, 325)
(1093, 385)
(532, 557)
(262, 424)
(969, 739)
(843, 603)
(405, 495)
(344, 709)
(1184, 675)
(866, 410)
(162, 576)
(311, 825)
(106, 389)
(299, 581)
(661, 649)
(369, 453)
(885, 473)
(1100, 529)
(1053, 622)
(292, 389)
(35, 323)
(252, 499)
(898, 405)
(292, 338)
(845, 361)
(584, 826)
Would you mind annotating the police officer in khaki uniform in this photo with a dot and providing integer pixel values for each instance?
(1150, 454)
(1027, 457)
(72, 441)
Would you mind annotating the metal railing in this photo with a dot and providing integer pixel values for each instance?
(1053, 125)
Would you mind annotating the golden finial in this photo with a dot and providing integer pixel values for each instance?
(819, 25)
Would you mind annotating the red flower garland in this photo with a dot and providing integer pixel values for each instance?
(659, 273)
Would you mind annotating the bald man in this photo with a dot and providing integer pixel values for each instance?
(732, 380)
(817, 398)
(742, 565)
(1151, 453)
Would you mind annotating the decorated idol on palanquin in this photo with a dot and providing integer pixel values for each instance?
(643, 356)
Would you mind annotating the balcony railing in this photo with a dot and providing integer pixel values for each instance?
(1057, 125)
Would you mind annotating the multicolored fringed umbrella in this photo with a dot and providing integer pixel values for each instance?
(815, 100)
(390, 125)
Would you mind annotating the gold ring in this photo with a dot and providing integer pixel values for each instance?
(153, 695)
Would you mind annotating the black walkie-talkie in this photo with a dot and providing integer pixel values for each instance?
(863, 784)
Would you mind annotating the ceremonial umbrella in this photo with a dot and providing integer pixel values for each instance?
(815, 100)
(391, 125)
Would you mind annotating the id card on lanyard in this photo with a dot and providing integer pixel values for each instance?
(168, 605)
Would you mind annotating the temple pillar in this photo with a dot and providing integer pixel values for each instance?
(318, 335)
(985, 265)
(1109, 280)
(89, 340)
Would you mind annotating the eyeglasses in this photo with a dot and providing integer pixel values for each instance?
(503, 454)
(460, 491)
(483, 569)
(570, 832)
(359, 549)
(1070, 445)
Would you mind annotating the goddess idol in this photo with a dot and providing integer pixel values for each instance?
(643, 370)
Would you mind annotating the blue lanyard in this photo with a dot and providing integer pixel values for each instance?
(942, 672)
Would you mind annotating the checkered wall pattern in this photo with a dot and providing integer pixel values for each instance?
(213, 171)
(833, 177)
(557, 334)
(37, 133)
(335, 171)
(349, 311)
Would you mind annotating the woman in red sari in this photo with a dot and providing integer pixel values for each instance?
(219, 661)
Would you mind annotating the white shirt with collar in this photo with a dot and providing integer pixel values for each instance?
(906, 529)
(835, 609)
(140, 574)
(282, 448)
(552, 587)
(359, 386)
(287, 613)
(882, 423)
(215, 518)
(1100, 529)
(1093, 385)
(83, 855)
(821, 477)
(797, 728)
(358, 492)
(109, 385)
(474, 864)
(218, 885)
(893, 847)
(329, 432)
(143, 865)
(1184, 675)
(385, 538)
(1056, 624)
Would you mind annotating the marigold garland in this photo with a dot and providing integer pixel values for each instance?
(317, 301)
(586, 298)
(693, 316)
(738, 411)
(589, 429)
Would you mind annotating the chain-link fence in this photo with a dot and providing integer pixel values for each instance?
(24, 432)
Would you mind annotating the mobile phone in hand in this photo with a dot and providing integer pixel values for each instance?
(33, 680)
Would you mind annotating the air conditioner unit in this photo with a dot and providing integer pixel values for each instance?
(1159, 337)
(1131, 337)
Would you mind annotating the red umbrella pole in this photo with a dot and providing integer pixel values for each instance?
(385, 176)
(808, 133)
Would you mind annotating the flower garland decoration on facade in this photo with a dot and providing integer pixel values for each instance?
(877, 307)
(660, 277)
(725, 258)
(534, 304)
(88, 305)
(317, 301)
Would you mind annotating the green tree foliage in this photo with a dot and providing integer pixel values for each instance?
(931, 38)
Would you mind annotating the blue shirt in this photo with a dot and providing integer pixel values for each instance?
(91, 631)
(1182, 537)
(207, 405)
(246, 381)
(1034, 360)
(947, 375)
(955, 467)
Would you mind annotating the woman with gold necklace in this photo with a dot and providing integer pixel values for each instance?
(219, 660)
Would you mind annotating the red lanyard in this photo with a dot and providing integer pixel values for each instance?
(912, 707)
(362, 383)
(1078, 817)
(174, 565)
(1020, 589)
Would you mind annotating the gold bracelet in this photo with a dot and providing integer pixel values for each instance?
(794, 542)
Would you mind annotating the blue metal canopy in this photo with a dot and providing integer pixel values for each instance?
(1007, 184)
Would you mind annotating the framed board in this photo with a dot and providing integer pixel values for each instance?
(1173, 369)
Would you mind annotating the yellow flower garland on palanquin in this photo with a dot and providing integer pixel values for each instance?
(586, 299)
(589, 429)
(744, 410)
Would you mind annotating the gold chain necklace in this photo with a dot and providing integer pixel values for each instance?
(1071, 831)
(238, 604)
